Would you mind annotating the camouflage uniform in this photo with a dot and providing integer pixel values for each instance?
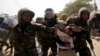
(83, 36)
(4, 33)
(39, 34)
(47, 40)
(23, 36)
(80, 41)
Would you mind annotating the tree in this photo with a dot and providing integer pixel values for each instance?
(73, 7)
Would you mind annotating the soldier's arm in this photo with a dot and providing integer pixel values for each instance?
(7, 47)
(8, 27)
(57, 39)
(75, 29)
(14, 40)
(6, 44)
(3, 43)
(89, 40)
(11, 45)
(41, 27)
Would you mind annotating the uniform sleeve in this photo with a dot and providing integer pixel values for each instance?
(40, 27)
(14, 40)
(89, 40)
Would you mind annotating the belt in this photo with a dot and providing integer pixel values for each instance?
(65, 49)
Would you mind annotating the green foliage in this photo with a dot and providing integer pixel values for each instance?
(73, 7)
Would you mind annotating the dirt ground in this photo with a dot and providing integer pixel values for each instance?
(96, 44)
(96, 47)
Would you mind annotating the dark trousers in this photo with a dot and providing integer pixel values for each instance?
(46, 47)
(84, 52)
(29, 52)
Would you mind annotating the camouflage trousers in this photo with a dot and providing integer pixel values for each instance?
(46, 47)
(29, 52)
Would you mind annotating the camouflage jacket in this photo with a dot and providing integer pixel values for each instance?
(83, 36)
(24, 37)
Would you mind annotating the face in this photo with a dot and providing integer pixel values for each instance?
(49, 15)
(64, 17)
(38, 20)
(85, 15)
(26, 17)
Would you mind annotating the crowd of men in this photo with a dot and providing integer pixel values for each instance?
(65, 37)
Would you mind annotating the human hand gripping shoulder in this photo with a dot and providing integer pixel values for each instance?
(75, 28)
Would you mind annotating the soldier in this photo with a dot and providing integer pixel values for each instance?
(23, 36)
(4, 29)
(4, 33)
(84, 33)
(48, 39)
(40, 33)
